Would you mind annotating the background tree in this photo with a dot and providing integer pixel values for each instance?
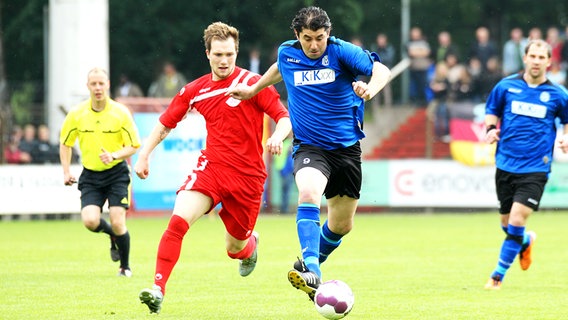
(22, 25)
(4, 115)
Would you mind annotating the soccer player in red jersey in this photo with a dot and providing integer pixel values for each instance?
(230, 170)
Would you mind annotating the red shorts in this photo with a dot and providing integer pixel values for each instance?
(240, 195)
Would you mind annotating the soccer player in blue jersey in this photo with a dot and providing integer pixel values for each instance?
(325, 102)
(526, 106)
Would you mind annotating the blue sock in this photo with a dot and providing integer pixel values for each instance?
(329, 241)
(526, 240)
(308, 225)
(509, 250)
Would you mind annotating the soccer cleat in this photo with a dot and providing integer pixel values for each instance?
(152, 298)
(114, 254)
(300, 266)
(246, 266)
(303, 279)
(525, 258)
(494, 283)
(124, 272)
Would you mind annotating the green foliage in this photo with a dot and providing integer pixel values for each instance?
(145, 33)
(22, 25)
(21, 101)
(400, 266)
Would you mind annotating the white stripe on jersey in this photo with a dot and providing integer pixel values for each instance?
(223, 90)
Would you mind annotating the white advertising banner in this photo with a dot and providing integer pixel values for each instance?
(420, 183)
(37, 189)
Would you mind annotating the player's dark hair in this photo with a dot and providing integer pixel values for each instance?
(312, 18)
(220, 31)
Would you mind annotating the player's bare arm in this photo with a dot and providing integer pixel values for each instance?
(65, 153)
(563, 140)
(492, 134)
(243, 92)
(158, 134)
(274, 143)
(379, 79)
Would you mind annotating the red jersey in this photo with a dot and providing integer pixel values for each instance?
(234, 127)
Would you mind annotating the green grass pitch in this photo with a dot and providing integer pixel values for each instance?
(400, 266)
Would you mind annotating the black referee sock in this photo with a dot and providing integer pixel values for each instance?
(123, 244)
(104, 227)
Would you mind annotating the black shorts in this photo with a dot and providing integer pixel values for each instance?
(526, 188)
(113, 185)
(341, 167)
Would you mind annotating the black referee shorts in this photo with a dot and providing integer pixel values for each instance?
(99, 186)
(341, 167)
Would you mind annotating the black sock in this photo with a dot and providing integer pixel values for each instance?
(123, 244)
(104, 227)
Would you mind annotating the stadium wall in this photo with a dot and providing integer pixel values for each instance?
(421, 183)
(39, 189)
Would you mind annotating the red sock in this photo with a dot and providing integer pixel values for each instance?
(169, 250)
(247, 250)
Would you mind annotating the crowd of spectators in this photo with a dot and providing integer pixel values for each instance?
(30, 145)
(442, 74)
(166, 84)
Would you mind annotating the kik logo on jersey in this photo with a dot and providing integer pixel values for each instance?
(310, 77)
(528, 109)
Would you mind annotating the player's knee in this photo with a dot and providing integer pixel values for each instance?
(344, 229)
(309, 196)
(118, 228)
(91, 224)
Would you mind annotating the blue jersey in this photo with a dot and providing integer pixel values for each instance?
(528, 128)
(324, 110)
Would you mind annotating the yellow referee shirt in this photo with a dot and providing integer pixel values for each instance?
(110, 129)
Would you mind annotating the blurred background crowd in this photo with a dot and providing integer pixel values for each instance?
(457, 52)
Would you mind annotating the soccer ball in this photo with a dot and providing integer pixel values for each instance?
(334, 299)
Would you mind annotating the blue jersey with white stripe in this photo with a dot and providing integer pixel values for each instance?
(528, 130)
(324, 110)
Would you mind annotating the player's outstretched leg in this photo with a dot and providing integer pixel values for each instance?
(303, 279)
(246, 266)
(525, 256)
(152, 298)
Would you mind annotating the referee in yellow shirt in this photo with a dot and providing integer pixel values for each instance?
(107, 137)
